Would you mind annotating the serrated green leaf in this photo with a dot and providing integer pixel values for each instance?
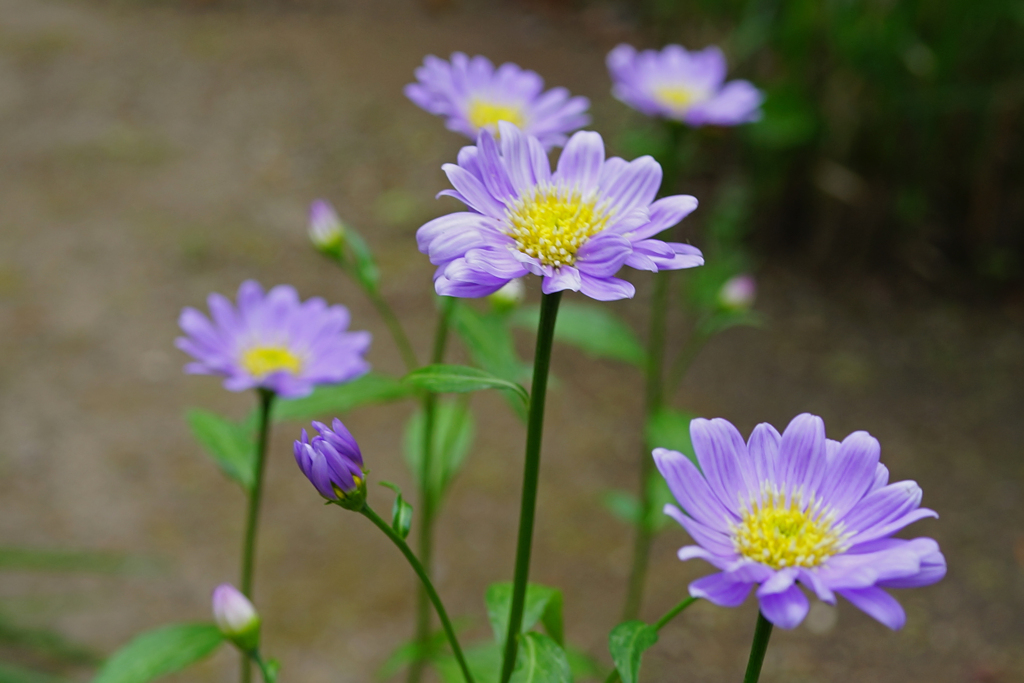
(460, 379)
(337, 399)
(16, 674)
(454, 430)
(160, 652)
(593, 329)
(543, 604)
(540, 660)
(627, 643)
(229, 444)
(623, 505)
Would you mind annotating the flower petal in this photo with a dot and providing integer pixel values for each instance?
(690, 488)
(579, 165)
(802, 451)
(605, 289)
(850, 474)
(878, 604)
(719, 590)
(786, 609)
(603, 255)
(723, 459)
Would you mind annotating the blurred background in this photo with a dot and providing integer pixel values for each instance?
(152, 152)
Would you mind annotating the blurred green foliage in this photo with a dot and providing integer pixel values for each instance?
(893, 131)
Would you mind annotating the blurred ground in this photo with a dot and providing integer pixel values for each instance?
(151, 154)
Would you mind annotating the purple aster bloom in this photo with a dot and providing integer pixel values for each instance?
(333, 463)
(475, 96)
(682, 86)
(575, 226)
(797, 507)
(273, 341)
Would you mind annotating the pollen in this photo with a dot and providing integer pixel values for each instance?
(485, 114)
(552, 223)
(677, 97)
(261, 361)
(779, 530)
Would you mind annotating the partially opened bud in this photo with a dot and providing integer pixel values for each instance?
(510, 296)
(738, 293)
(236, 617)
(333, 463)
(326, 231)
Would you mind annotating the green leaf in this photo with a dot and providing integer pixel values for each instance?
(337, 399)
(460, 379)
(408, 652)
(627, 643)
(453, 435)
(490, 344)
(670, 429)
(484, 663)
(543, 604)
(160, 652)
(623, 505)
(229, 443)
(593, 329)
(363, 263)
(540, 660)
(584, 667)
(401, 512)
(16, 674)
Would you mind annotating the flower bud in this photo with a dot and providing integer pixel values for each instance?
(326, 231)
(510, 296)
(738, 293)
(236, 617)
(333, 463)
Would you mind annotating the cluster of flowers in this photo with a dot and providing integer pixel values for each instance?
(772, 511)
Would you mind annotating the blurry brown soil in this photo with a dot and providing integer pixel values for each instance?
(151, 154)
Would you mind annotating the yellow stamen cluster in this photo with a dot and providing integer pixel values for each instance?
(261, 361)
(484, 114)
(780, 531)
(552, 223)
(677, 97)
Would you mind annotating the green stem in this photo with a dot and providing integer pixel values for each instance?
(531, 473)
(428, 506)
(657, 626)
(396, 329)
(268, 676)
(427, 585)
(653, 400)
(685, 359)
(762, 632)
(266, 398)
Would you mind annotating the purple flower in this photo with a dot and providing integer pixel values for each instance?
(475, 96)
(778, 510)
(274, 341)
(682, 86)
(333, 463)
(235, 616)
(575, 227)
(738, 292)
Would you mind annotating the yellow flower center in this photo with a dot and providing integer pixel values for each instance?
(677, 97)
(780, 531)
(551, 224)
(261, 361)
(484, 114)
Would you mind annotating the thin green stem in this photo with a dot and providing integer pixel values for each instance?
(762, 632)
(657, 626)
(531, 475)
(396, 329)
(427, 585)
(268, 675)
(653, 400)
(428, 506)
(266, 399)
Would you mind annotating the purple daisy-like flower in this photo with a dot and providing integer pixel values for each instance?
(475, 96)
(798, 507)
(682, 86)
(575, 226)
(273, 341)
(333, 463)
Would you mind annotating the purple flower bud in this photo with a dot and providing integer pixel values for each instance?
(236, 617)
(738, 292)
(326, 231)
(333, 463)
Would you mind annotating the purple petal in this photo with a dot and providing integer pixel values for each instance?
(580, 162)
(471, 190)
(603, 255)
(764, 452)
(738, 102)
(605, 289)
(850, 474)
(635, 186)
(665, 213)
(690, 488)
(717, 542)
(802, 450)
(786, 609)
(723, 458)
(720, 590)
(876, 603)
(563, 278)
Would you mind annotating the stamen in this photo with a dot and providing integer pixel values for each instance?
(261, 361)
(552, 223)
(485, 114)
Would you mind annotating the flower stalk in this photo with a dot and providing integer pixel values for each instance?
(531, 473)
(428, 586)
(762, 632)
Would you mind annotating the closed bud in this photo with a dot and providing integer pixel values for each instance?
(236, 617)
(332, 462)
(326, 231)
(510, 296)
(738, 293)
